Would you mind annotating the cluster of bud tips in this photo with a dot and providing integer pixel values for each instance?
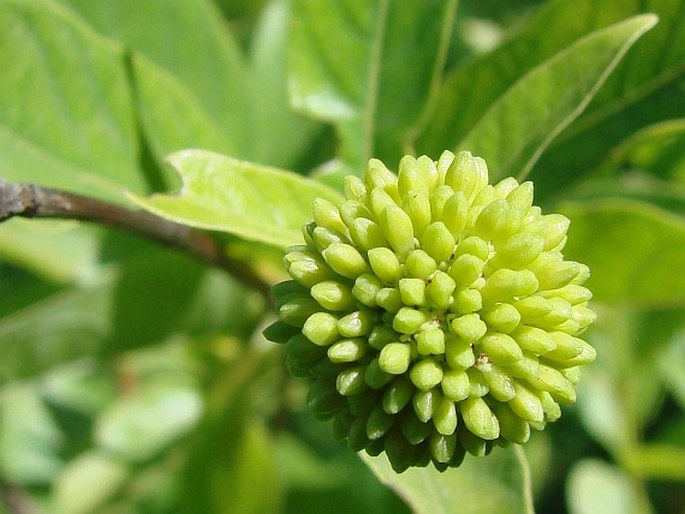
(434, 313)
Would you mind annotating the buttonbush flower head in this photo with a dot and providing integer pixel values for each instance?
(434, 313)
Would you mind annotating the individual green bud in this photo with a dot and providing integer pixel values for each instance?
(532, 308)
(345, 260)
(500, 384)
(479, 419)
(350, 381)
(474, 246)
(459, 353)
(455, 213)
(501, 348)
(354, 188)
(366, 288)
(378, 176)
(415, 430)
(425, 403)
(333, 296)
(455, 385)
(410, 177)
(342, 422)
(395, 358)
(398, 230)
(505, 284)
(466, 269)
(583, 316)
(550, 407)
(378, 201)
(438, 199)
(526, 367)
(511, 427)
(503, 318)
(353, 209)
(517, 251)
(554, 275)
(469, 327)
(308, 268)
(439, 290)
(574, 294)
(324, 400)
(582, 352)
(560, 312)
(374, 376)
(551, 380)
(526, 405)
(379, 423)
(397, 395)
(466, 301)
(297, 368)
(521, 197)
(366, 234)
(385, 264)
(356, 324)
(323, 237)
(505, 186)
(389, 299)
(438, 242)
(418, 207)
(348, 350)
(381, 335)
(443, 447)
(321, 328)
(478, 386)
(445, 417)
(400, 454)
(280, 332)
(426, 374)
(572, 374)
(473, 444)
(327, 215)
(493, 219)
(288, 287)
(467, 174)
(554, 227)
(356, 438)
(412, 291)
(326, 369)
(408, 320)
(302, 349)
(534, 339)
(419, 265)
(431, 342)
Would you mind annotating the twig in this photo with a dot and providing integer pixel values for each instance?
(32, 201)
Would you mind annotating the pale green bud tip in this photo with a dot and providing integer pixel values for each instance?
(435, 313)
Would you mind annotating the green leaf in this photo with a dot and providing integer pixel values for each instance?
(594, 486)
(496, 483)
(635, 251)
(254, 202)
(29, 437)
(139, 426)
(647, 88)
(522, 123)
(72, 130)
(89, 482)
(367, 67)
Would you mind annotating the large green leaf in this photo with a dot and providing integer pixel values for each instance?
(255, 202)
(520, 125)
(594, 486)
(70, 129)
(367, 67)
(496, 483)
(635, 250)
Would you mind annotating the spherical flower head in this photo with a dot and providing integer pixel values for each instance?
(434, 313)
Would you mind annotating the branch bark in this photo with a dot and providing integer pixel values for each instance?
(32, 201)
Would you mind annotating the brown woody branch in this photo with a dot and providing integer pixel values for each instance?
(32, 201)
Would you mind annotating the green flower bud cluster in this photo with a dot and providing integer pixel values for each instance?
(435, 313)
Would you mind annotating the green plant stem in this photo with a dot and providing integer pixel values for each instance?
(32, 201)
(527, 479)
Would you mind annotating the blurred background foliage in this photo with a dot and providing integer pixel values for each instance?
(135, 380)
